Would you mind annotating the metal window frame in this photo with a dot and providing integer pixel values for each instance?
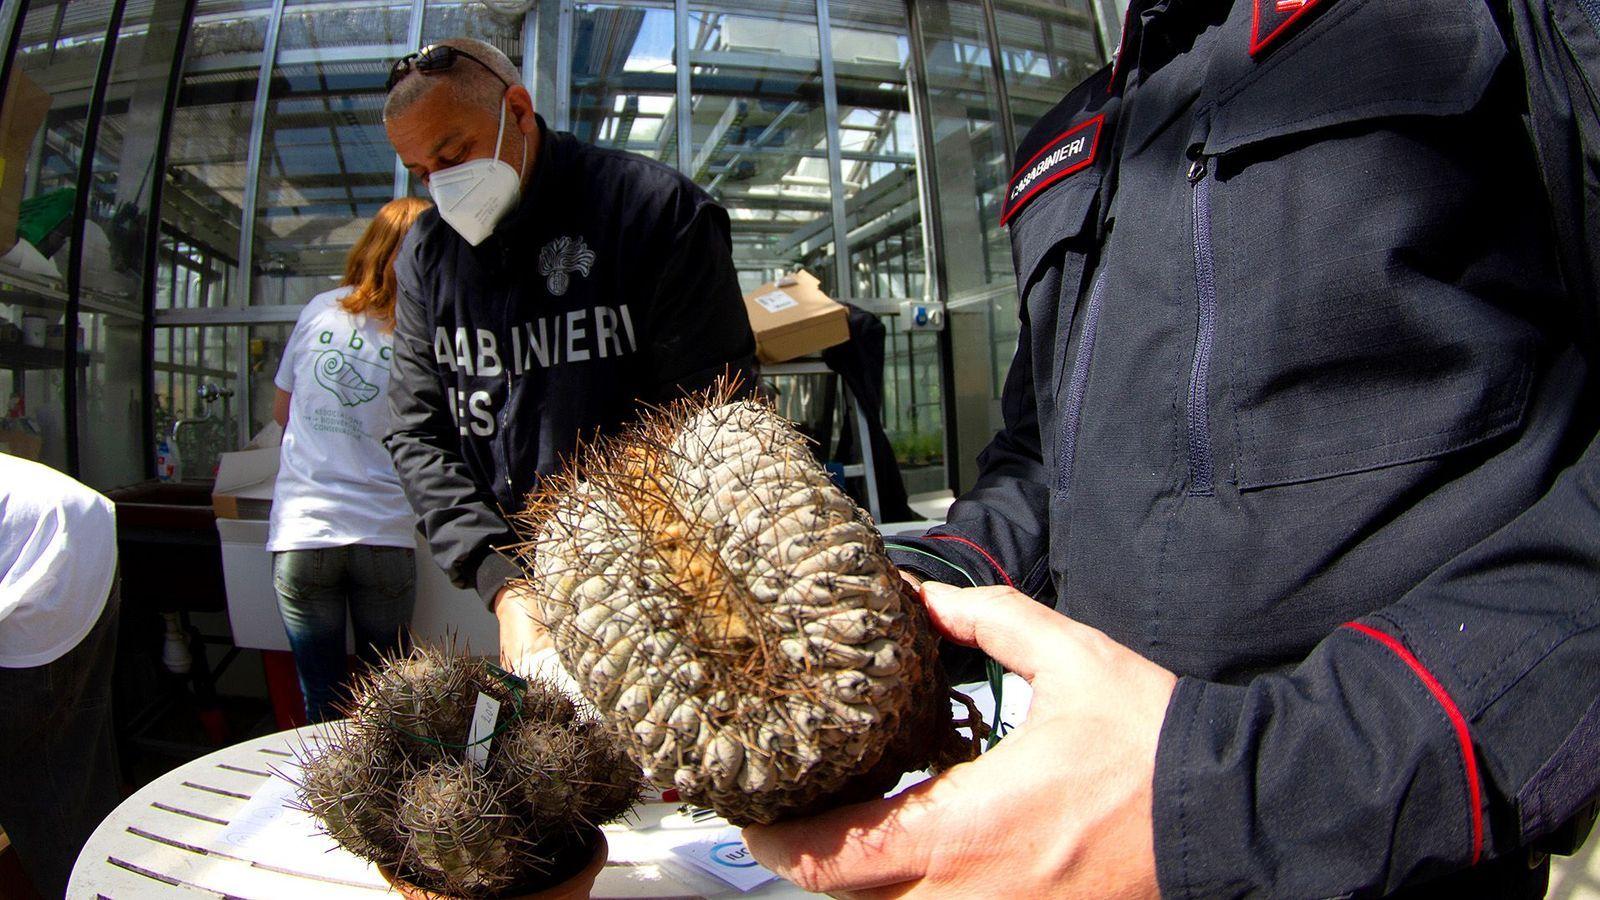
(1008, 127)
(561, 115)
(1109, 20)
(158, 168)
(402, 178)
(253, 153)
(80, 218)
(843, 277)
(683, 104)
(530, 49)
(933, 231)
(247, 218)
(12, 16)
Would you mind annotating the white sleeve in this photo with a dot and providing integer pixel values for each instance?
(284, 379)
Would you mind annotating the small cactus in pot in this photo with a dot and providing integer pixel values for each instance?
(396, 784)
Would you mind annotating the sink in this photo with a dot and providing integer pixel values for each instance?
(165, 505)
(171, 557)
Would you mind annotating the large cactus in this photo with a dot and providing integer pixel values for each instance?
(393, 784)
(733, 616)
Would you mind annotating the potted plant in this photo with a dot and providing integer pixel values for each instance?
(514, 812)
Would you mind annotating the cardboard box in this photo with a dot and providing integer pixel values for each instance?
(245, 479)
(21, 113)
(21, 444)
(793, 317)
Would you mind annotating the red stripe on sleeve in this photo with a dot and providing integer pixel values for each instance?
(1469, 758)
(982, 552)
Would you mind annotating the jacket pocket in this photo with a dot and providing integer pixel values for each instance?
(1360, 303)
(1051, 243)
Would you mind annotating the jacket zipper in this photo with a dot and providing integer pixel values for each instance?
(505, 407)
(505, 448)
(1205, 334)
(1076, 388)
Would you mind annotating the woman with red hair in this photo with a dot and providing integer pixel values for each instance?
(342, 535)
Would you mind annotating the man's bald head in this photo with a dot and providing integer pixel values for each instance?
(469, 83)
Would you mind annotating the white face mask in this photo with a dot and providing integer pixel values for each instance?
(474, 196)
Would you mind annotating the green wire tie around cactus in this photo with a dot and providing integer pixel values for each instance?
(518, 686)
(993, 671)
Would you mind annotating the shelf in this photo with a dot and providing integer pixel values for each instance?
(21, 357)
(34, 292)
(25, 289)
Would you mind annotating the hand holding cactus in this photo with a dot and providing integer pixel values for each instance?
(522, 630)
(1062, 807)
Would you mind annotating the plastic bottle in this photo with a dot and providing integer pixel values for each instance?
(166, 460)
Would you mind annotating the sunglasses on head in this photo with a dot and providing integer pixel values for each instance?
(431, 59)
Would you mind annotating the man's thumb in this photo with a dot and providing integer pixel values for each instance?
(1004, 623)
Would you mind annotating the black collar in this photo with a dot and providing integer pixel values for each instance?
(545, 181)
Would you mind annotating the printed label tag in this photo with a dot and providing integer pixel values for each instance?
(1071, 151)
(484, 716)
(776, 301)
(726, 857)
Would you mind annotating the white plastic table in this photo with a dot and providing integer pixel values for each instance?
(176, 838)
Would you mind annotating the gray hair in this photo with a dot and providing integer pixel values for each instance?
(469, 82)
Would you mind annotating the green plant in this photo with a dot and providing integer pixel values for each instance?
(917, 448)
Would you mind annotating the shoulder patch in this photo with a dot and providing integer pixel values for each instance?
(1272, 19)
(1070, 151)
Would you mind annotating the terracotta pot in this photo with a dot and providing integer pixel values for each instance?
(578, 887)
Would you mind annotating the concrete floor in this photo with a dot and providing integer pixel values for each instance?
(1577, 877)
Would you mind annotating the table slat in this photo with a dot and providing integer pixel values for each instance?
(195, 867)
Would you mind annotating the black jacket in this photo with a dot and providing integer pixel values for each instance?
(611, 284)
(1303, 411)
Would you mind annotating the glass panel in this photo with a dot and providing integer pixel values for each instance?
(210, 138)
(191, 275)
(47, 107)
(1045, 49)
(326, 165)
(265, 350)
(878, 145)
(111, 327)
(476, 19)
(187, 360)
(624, 80)
(970, 168)
(760, 138)
(198, 388)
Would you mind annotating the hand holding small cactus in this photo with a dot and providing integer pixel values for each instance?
(1060, 808)
(522, 629)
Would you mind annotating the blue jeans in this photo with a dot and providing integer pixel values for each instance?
(379, 587)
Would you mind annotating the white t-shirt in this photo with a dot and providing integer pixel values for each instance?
(58, 555)
(336, 484)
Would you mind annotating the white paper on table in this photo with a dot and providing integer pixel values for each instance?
(269, 830)
(726, 857)
(1015, 695)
